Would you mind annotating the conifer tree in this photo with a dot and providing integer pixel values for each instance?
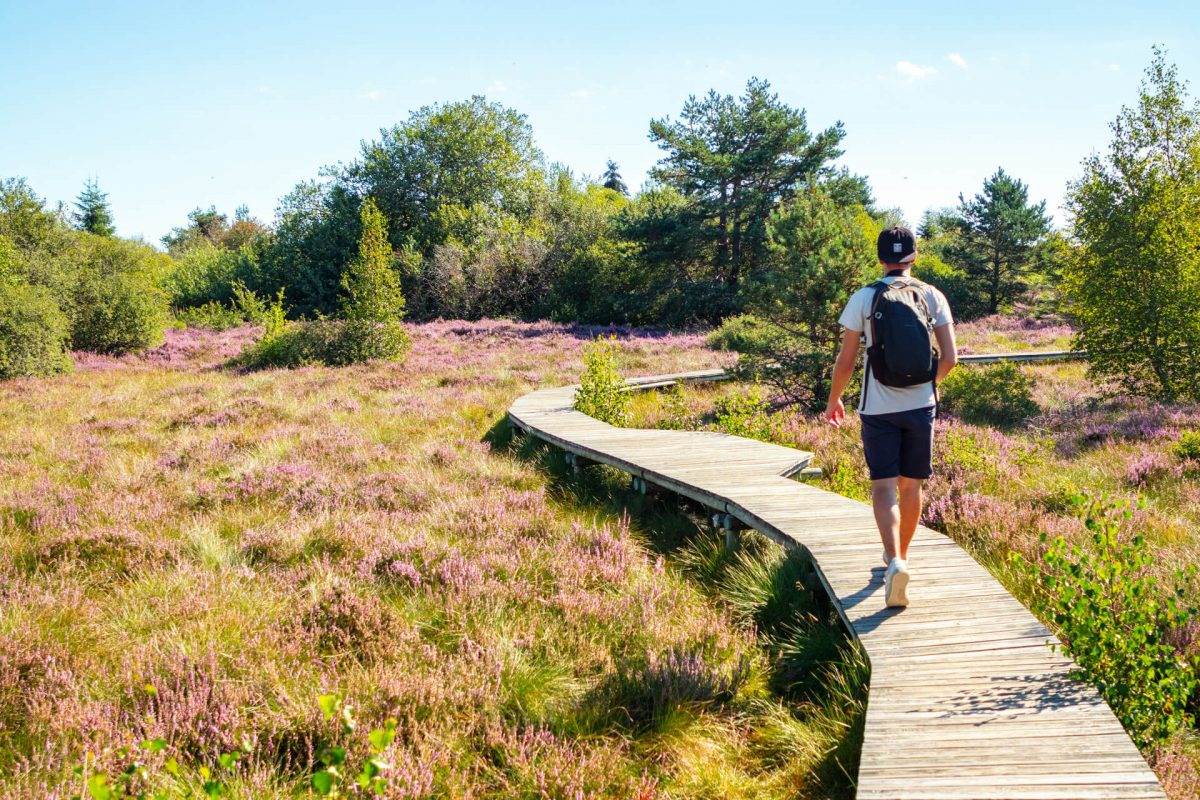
(613, 180)
(92, 212)
(997, 232)
(370, 285)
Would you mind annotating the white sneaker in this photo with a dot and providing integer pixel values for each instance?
(895, 584)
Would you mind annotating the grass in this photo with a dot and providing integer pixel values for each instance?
(195, 555)
(996, 492)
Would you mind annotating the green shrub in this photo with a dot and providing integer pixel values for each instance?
(245, 307)
(33, 332)
(211, 315)
(1114, 620)
(117, 304)
(203, 274)
(998, 394)
(329, 342)
(1188, 446)
(602, 393)
(744, 413)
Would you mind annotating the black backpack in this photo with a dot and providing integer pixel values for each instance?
(903, 349)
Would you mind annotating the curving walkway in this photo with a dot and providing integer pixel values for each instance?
(967, 700)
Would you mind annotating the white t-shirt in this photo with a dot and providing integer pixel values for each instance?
(880, 399)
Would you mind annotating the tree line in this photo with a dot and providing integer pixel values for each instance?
(747, 221)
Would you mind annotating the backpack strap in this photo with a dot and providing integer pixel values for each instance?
(879, 287)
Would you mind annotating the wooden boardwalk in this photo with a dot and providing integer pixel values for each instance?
(967, 700)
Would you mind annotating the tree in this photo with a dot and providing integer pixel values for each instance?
(1133, 285)
(371, 288)
(316, 237)
(735, 160)
(612, 179)
(817, 255)
(92, 213)
(450, 172)
(997, 231)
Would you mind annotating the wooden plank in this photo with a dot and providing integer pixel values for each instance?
(967, 698)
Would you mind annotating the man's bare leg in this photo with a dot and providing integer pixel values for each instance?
(887, 515)
(910, 512)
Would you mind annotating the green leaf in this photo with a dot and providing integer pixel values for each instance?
(98, 788)
(329, 704)
(323, 781)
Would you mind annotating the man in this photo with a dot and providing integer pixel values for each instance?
(897, 408)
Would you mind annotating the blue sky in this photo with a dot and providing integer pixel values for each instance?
(174, 106)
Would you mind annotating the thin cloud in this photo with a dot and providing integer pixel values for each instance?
(496, 87)
(913, 72)
(957, 60)
(372, 95)
(1114, 67)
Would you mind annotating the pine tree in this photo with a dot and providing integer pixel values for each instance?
(613, 180)
(93, 214)
(372, 290)
(998, 230)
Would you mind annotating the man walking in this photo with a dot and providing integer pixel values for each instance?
(909, 336)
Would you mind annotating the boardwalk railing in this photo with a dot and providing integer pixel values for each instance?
(967, 699)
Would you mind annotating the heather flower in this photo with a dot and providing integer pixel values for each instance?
(1149, 467)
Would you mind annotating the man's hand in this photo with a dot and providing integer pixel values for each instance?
(835, 412)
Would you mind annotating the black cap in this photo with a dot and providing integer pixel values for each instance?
(896, 245)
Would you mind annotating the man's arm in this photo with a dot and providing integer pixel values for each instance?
(947, 349)
(843, 371)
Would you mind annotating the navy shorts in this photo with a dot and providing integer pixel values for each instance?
(899, 444)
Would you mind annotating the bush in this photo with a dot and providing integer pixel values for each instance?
(328, 342)
(789, 364)
(203, 274)
(212, 315)
(998, 394)
(1114, 619)
(245, 307)
(33, 332)
(602, 393)
(744, 414)
(1187, 448)
(117, 304)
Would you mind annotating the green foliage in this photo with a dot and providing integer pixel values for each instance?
(328, 342)
(245, 307)
(997, 394)
(33, 331)
(612, 180)
(25, 222)
(1113, 618)
(960, 290)
(736, 160)
(997, 231)
(92, 213)
(371, 288)
(316, 237)
(1187, 447)
(602, 393)
(449, 172)
(743, 413)
(334, 777)
(204, 273)
(677, 416)
(117, 305)
(1134, 285)
(818, 256)
(213, 229)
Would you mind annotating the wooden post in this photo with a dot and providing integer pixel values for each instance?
(733, 532)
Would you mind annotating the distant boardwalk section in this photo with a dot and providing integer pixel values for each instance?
(967, 699)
